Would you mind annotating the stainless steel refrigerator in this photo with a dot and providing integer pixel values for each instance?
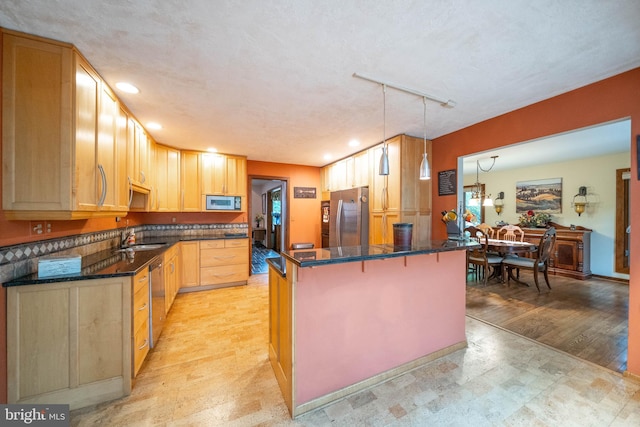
(349, 217)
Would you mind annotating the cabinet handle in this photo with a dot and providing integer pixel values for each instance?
(103, 177)
(143, 345)
(143, 307)
(143, 177)
(144, 278)
(224, 257)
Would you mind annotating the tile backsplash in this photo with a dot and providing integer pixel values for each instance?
(20, 260)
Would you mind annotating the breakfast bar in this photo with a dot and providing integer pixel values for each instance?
(345, 318)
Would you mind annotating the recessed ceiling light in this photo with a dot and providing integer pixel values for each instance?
(354, 143)
(327, 156)
(212, 150)
(154, 126)
(127, 87)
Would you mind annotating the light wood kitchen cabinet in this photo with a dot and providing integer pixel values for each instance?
(280, 331)
(190, 264)
(361, 169)
(139, 160)
(400, 196)
(190, 182)
(224, 174)
(171, 275)
(69, 342)
(167, 178)
(140, 331)
(52, 103)
(224, 261)
(123, 192)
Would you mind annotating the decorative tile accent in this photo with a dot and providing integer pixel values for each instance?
(12, 258)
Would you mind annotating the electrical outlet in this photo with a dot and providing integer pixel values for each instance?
(37, 227)
(47, 227)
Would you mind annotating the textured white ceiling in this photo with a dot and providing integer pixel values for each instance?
(272, 80)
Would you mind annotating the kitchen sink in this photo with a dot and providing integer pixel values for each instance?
(142, 247)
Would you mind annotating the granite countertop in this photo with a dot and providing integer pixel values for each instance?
(337, 255)
(113, 263)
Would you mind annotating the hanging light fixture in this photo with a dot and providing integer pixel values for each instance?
(477, 195)
(425, 172)
(384, 159)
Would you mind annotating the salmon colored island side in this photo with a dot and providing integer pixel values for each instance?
(615, 98)
(351, 325)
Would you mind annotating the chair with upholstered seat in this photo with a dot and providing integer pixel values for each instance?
(479, 256)
(513, 233)
(540, 263)
(486, 229)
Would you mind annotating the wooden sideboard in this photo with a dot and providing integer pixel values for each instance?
(571, 254)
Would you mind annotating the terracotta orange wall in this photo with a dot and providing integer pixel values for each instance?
(610, 99)
(304, 214)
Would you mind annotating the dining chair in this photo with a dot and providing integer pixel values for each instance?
(540, 263)
(486, 229)
(479, 255)
(513, 233)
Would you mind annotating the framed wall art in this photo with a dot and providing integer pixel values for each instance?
(539, 196)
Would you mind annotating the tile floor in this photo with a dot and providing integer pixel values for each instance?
(211, 369)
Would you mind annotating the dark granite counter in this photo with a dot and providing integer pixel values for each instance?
(336, 255)
(112, 262)
(279, 264)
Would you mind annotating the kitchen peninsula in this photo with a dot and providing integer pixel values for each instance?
(344, 318)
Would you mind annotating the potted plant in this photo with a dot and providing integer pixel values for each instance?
(259, 219)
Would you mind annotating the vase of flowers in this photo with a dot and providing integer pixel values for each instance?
(534, 220)
(259, 219)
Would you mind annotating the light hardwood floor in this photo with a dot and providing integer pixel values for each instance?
(211, 369)
(585, 318)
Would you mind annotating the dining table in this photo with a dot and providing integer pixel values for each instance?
(508, 247)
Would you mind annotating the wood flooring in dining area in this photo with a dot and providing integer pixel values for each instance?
(585, 318)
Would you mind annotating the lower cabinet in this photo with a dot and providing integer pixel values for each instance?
(69, 342)
(171, 275)
(224, 261)
(190, 264)
(140, 320)
(280, 330)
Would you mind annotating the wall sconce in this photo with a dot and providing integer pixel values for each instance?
(498, 203)
(580, 201)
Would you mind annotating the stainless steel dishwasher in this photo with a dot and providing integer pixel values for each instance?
(157, 313)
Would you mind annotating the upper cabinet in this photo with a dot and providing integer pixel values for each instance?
(224, 174)
(167, 178)
(190, 182)
(59, 134)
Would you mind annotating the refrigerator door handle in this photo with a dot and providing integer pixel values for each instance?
(338, 226)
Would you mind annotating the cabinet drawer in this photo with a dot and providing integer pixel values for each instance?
(224, 274)
(140, 307)
(224, 256)
(140, 345)
(236, 243)
(211, 244)
(141, 280)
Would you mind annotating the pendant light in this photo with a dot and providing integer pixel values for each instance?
(425, 171)
(384, 159)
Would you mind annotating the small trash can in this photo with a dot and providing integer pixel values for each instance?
(402, 233)
(295, 246)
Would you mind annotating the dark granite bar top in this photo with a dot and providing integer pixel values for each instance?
(337, 255)
(113, 263)
(279, 264)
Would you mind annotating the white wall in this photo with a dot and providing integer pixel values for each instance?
(598, 174)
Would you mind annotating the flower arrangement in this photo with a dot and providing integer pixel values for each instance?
(259, 218)
(532, 219)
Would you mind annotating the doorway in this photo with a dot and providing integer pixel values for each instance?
(623, 225)
(268, 223)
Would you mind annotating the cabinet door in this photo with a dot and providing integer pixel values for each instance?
(565, 255)
(190, 268)
(36, 118)
(361, 169)
(173, 180)
(377, 189)
(213, 173)
(86, 178)
(106, 150)
(236, 176)
(394, 179)
(161, 177)
(190, 181)
(122, 158)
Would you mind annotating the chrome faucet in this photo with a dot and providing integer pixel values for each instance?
(124, 242)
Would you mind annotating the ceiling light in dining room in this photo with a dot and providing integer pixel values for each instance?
(154, 126)
(127, 87)
(354, 143)
(212, 150)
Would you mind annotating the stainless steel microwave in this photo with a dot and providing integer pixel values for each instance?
(223, 203)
